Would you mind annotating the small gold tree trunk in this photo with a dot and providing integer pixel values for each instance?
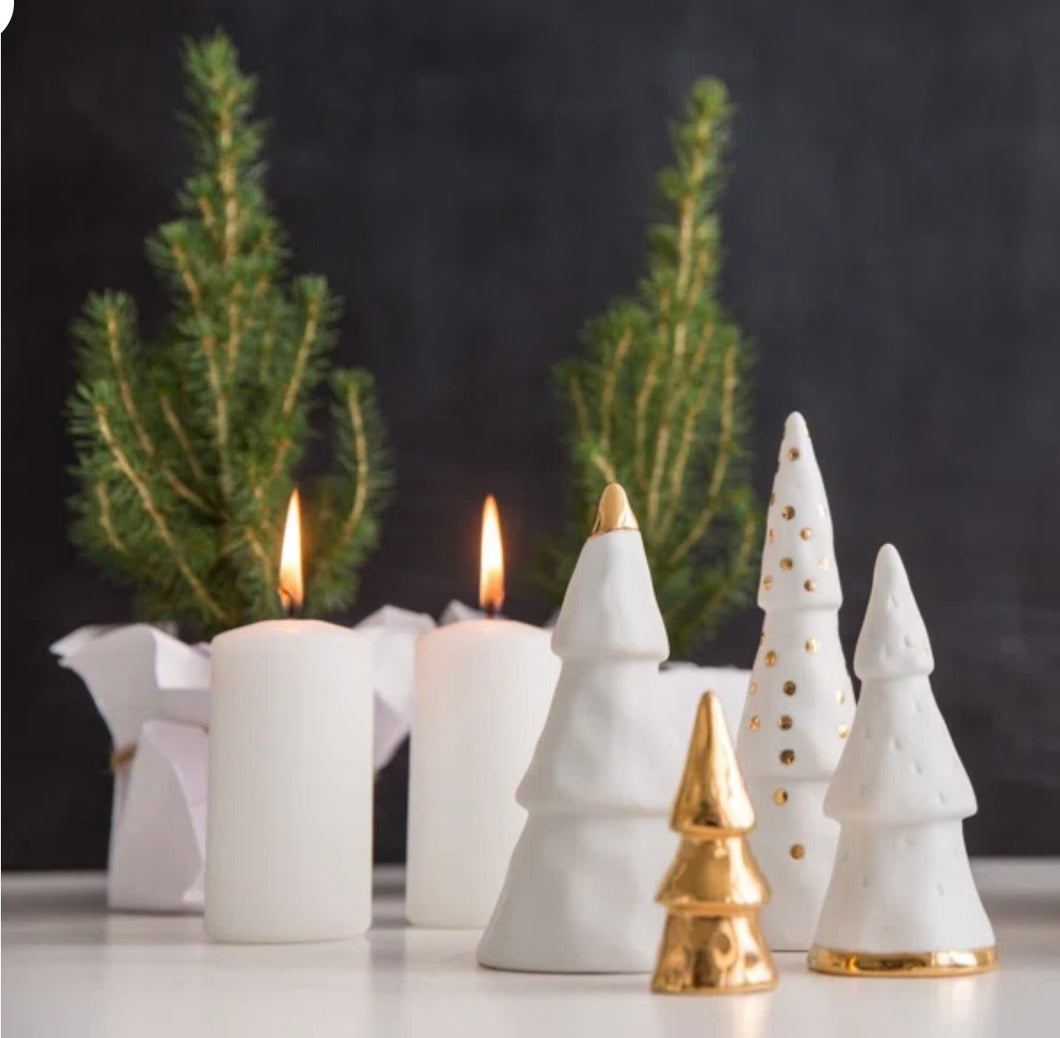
(713, 891)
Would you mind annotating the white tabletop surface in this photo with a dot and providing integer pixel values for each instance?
(70, 968)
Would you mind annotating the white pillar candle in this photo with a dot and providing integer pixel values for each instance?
(289, 834)
(483, 689)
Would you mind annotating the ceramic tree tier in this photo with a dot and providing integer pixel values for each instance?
(800, 702)
(579, 892)
(902, 900)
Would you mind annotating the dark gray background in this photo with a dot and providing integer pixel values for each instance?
(474, 178)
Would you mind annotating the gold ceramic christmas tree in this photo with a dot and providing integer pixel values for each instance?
(714, 890)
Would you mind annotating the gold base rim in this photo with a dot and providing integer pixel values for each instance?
(949, 963)
(736, 989)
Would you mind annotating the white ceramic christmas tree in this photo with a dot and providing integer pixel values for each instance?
(902, 900)
(579, 895)
(800, 702)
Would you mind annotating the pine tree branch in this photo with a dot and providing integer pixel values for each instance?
(128, 401)
(604, 467)
(607, 397)
(181, 435)
(121, 376)
(234, 331)
(226, 170)
(158, 518)
(733, 580)
(651, 377)
(208, 218)
(360, 446)
(213, 370)
(688, 431)
(105, 520)
(261, 555)
(305, 346)
(578, 400)
(701, 526)
(682, 305)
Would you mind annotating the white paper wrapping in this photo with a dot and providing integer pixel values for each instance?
(152, 691)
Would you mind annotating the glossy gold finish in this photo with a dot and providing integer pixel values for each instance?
(614, 512)
(713, 942)
(713, 955)
(902, 964)
(712, 800)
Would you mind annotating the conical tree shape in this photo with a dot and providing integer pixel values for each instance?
(800, 702)
(712, 794)
(902, 899)
(578, 897)
(713, 891)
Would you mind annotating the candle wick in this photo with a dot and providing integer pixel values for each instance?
(290, 606)
(491, 610)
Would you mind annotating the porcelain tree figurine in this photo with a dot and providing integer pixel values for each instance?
(579, 893)
(713, 890)
(902, 900)
(800, 702)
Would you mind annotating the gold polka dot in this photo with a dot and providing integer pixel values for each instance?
(786, 563)
(771, 658)
(822, 511)
(762, 638)
(811, 645)
(844, 731)
(787, 756)
(810, 585)
(822, 563)
(793, 454)
(785, 722)
(780, 797)
(772, 535)
(789, 688)
(755, 723)
(754, 687)
(797, 851)
(767, 582)
(840, 696)
(788, 512)
(806, 533)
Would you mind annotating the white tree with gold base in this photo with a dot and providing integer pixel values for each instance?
(902, 900)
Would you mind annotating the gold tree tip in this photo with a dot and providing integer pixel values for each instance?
(712, 794)
(614, 511)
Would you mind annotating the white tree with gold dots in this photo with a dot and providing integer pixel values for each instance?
(800, 702)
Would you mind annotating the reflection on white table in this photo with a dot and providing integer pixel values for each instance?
(69, 968)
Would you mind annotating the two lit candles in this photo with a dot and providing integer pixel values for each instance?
(289, 840)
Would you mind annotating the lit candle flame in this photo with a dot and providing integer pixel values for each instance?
(292, 591)
(491, 572)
